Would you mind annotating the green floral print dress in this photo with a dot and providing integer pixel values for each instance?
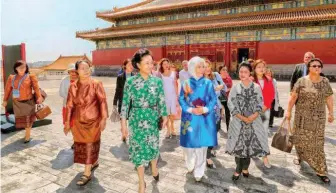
(147, 104)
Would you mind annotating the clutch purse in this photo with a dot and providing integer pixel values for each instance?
(42, 111)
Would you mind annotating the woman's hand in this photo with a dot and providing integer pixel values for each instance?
(4, 103)
(288, 115)
(66, 128)
(219, 87)
(253, 117)
(331, 118)
(197, 110)
(39, 100)
(264, 109)
(246, 120)
(102, 124)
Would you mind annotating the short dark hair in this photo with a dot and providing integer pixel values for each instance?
(137, 57)
(222, 68)
(20, 63)
(161, 62)
(80, 61)
(315, 60)
(245, 64)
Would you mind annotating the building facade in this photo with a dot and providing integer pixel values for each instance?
(224, 31)
(58, 68)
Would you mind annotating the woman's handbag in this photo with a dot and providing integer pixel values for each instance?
(282, 140)
(115, 117)
(280, 113)
(42, 111)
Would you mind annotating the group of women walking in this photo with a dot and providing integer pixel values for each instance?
(148, 100)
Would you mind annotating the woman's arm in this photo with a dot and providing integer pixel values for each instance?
(330, 106)
(292, 100)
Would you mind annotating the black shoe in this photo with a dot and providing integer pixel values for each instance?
(157, 178)
(235, 178)
(324, 179)
(73, 146)
(246, 175)
(124, 139)
(212, 166)
(27, 141)
(271, 126)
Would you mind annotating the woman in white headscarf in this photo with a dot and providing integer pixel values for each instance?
(198, 122)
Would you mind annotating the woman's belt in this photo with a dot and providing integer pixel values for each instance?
(146, 107)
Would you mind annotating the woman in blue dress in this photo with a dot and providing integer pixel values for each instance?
(198, 122)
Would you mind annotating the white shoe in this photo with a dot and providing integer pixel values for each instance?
(198, 179)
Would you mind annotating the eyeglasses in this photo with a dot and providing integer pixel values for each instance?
(316, 66)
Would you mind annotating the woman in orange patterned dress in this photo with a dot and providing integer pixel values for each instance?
(87, 106)
(21, 86)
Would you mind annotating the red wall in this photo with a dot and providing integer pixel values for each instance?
(115, 57)
(291, 52)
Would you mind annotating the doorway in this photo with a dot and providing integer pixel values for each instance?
(243, 54)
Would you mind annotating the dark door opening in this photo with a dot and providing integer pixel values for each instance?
(243, 54)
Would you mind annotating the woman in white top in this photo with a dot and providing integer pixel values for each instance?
(169, 85)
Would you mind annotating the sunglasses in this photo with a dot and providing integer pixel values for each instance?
(316, 66)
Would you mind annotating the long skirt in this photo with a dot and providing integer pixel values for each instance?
(87, 143)
(24, 112)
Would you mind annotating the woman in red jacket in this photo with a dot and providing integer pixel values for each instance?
(266, 84)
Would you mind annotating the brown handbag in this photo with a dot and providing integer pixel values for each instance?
(42, 111)
(282, 140)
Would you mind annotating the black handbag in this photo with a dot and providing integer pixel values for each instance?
(280, 113)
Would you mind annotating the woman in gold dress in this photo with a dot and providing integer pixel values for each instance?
(311, 94)
(87, 106)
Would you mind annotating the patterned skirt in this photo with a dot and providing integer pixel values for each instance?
(24, 112)
(86, 153)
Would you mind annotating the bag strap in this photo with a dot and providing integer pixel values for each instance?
(20, 82)
(283, 123)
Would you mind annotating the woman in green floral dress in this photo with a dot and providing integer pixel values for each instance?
(148, 105)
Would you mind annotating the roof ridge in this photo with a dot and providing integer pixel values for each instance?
(115, 9)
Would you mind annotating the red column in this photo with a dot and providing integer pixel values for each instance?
(23, 52)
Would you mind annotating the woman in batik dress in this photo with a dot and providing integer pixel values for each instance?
(148, 105)
(310, 95)
(246, 137)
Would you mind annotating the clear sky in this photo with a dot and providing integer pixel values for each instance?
(48, 27)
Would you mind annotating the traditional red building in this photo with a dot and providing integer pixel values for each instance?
(224, 31)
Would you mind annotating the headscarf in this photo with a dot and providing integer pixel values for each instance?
(193, 62)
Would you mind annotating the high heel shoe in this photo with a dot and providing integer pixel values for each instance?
(246, 175)
(157, 177)
(235, 178)
(212, 166)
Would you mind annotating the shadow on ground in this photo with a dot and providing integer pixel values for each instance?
(18, 145)
(63, 160)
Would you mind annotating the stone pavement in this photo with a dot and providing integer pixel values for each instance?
(46, 163)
